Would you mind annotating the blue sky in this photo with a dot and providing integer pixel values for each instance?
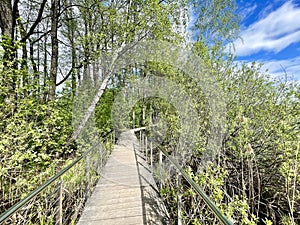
(270, 32)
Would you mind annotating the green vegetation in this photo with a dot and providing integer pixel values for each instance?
(52, 65)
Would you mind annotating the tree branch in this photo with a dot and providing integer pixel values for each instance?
(69, 74)
(38, 19)
(14, 15)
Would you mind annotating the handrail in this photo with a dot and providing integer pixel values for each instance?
(196, 187)
(222, 218)
(34, 193)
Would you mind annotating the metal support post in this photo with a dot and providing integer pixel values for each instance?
(160, 168)
(87, 175)
(142, 145)
(179, 203)
(59, 202)
(146, 148)
(151, 156)
(100, 159)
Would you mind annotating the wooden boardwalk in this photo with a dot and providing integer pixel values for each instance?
(126, 192)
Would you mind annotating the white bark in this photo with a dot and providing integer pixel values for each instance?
(97, 97)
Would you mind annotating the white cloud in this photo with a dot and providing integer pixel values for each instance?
(277, 68)
(276, 31)
(247, 11)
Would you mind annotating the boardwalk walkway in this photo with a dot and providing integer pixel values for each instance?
(126, 192)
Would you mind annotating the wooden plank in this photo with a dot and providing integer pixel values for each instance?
(117, 196)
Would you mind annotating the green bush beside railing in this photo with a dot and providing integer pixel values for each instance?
(60, 199)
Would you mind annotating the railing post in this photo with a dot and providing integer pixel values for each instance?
(87, 175)
(111, 141)
(140, 138)
(146, 148)
(160, 168)
(59, 216)
(142, 143)
(151, 156)
(100, 159)
(179, 203)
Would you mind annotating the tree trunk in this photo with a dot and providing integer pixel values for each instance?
(54, 43)
(6, 18)
(95, 74)
(45, 69)
(7, 24)
(74, 59)
(36, 77)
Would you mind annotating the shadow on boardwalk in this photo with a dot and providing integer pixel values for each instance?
(154, 209)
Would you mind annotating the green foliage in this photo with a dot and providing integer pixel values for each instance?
(34, 136)
(216, 21)
(261, 141)
(103, 111)
(212, 181)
